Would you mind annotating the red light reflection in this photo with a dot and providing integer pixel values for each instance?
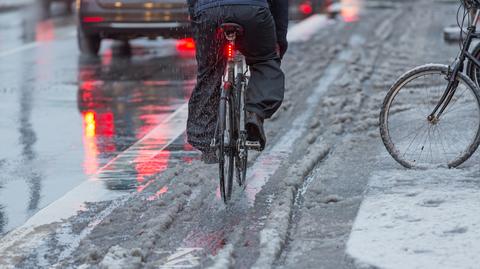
(350, 10)
(147, 166)
(44, 31)
(90, 163)
(89, 123)
(97, 125)
(188, 148)
(210, 241)
(107, 57)
(159, 193)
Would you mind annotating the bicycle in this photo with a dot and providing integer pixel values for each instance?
(431, 114)
(230, 139)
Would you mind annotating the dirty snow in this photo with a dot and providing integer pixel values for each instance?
(323, 149)
(419, 219)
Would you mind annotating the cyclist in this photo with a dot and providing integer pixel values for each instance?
(263, 44)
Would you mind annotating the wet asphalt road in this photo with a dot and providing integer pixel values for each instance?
(324, 164)
(65, 116)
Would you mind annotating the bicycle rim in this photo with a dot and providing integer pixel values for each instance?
(416, 142)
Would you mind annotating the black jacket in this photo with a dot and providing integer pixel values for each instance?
(278, 8)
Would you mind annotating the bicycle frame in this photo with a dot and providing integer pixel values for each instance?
(234, 68)
(235, 63)
(457, 67)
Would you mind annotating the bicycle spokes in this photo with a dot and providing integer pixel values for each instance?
(416, 138)
(446, 98)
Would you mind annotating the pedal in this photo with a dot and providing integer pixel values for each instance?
(254, 145)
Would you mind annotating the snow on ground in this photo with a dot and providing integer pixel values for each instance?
(419, 219)
(300, 214)
(306, 29)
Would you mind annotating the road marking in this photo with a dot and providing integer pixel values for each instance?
(19, 49)
(182, 258)
(24, 238)
(419, 219)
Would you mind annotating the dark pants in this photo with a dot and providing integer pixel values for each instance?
(258, 44)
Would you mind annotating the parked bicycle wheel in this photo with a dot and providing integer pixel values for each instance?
(415, 141)
(472, 70)
(226, 148)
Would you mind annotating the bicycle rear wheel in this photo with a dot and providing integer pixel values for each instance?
(411, 138)
(241, 155)
(226, 154)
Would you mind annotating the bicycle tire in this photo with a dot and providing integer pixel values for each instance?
(241, 155)
(472, 70)
(402, 83)
(226, 151)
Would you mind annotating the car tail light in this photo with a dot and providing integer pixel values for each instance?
(93, 19)
(186, 44)
(306, 8)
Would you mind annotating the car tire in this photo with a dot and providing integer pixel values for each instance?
(46, 6)
(69, 7)
(88, 44)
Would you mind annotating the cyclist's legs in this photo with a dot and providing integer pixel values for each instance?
(266, 86)
(204, 101)
(267, 81)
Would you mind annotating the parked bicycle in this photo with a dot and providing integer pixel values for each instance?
(431, 115)
(230, 139)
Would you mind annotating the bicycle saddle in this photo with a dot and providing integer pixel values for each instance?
(230, 28)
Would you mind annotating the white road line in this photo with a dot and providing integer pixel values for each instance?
(26, 238)
(93, 190)
(19, 49)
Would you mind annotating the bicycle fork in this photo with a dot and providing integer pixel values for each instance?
(445, 99)
(447, 96)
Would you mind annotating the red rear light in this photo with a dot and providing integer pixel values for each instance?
(306, 8)
(92, 19)
(230, 50)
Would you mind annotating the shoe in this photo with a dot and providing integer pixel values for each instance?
(254, 128)
(209, 157)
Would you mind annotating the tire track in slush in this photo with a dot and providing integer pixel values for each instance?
(267, 164)
(27, 238)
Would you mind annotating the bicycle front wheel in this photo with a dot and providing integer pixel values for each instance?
(411, 138)
(226, 148)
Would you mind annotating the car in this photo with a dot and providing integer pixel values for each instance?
(47, 3)
(129, 19)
